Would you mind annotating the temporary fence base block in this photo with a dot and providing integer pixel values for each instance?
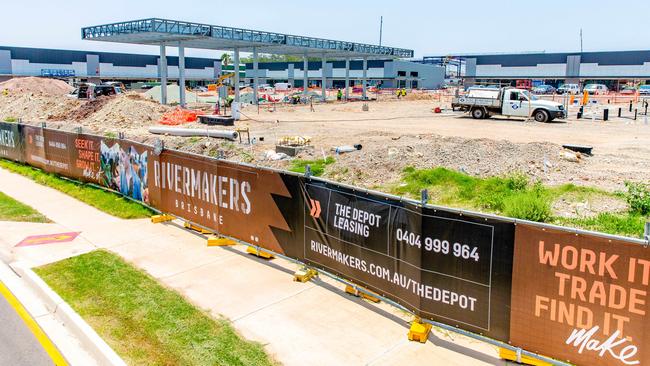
(157, 219)
(259, 253)
(352, 291)
(368, 297)
(304, 274)
(219, 241)
(511, 355)
(419, 331)
(189, 225)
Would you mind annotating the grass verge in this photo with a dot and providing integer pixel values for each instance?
(144, 322)
(628, 224)
(317, 166)
(106, 201)
(12, 210)
(511, 196)
(514, 196)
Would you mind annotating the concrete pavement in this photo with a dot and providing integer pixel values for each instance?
(299, 323)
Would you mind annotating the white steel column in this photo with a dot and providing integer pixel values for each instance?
(163, 74)
(236, 71)
(305, 79)
(324, 78)
(181, 73)
(347, 79)
(255, 77)
(365, 77)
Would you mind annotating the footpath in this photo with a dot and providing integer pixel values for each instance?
(314, 323)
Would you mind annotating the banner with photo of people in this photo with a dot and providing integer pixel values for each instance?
(124, 168)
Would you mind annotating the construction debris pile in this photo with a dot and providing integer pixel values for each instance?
(476, 157)
(36, 85)
(106, 113)
(126, 111)
(34, 107)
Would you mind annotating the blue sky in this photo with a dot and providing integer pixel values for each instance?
(428, 27)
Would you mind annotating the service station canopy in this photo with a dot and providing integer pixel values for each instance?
(156, 31)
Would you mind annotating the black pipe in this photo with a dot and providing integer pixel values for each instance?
(605, 114)
(619, 111)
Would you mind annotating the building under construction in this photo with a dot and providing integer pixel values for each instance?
(341, 64)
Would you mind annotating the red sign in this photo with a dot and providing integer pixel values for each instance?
(48, 239)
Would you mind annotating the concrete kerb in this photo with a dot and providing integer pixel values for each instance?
(6, 256)
(91, 341)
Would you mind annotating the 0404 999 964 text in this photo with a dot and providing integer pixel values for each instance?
(436, 245)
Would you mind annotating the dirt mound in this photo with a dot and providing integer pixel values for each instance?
(35, 106)
(84, 110)
(120, 111)
(127, 110)
(378, 164)
(37, 85)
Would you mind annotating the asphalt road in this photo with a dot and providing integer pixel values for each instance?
(18, 346)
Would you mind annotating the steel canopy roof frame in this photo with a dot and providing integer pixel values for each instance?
(155, 31)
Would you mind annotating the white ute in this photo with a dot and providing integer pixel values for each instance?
(510, 102)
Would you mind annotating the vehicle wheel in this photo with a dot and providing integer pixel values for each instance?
(478, 113)
(541, 116)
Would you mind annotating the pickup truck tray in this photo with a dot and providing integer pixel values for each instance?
(473, 101)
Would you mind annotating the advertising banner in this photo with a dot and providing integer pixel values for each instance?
(229, 198)
(49, 150)
(116, 164)
(443, 266)
(120, 165)
(580, 298)
(11, 141)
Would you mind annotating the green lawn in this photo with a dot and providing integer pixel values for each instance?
(12, 210)
(106, 201)
(144, 322)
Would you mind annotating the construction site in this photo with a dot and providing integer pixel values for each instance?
(368, 122)
(395, 133)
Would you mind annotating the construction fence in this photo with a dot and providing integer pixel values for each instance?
(570, 295)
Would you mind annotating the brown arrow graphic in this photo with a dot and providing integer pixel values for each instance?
(315, 208)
